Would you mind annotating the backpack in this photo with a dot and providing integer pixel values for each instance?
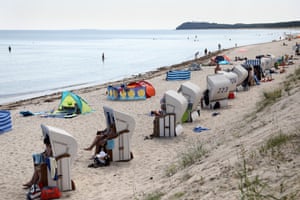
(34, 192)
(50, 193)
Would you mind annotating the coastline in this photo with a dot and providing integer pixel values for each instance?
(212, 177)
(32, 88)
(85, 89)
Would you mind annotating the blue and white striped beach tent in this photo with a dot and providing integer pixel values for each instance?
(253, 62)
(178, 75)
(5, 121)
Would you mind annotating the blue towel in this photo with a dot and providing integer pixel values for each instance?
(200, 129)
(110, 144)
(26, 113)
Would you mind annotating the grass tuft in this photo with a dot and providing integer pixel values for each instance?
(269, 99)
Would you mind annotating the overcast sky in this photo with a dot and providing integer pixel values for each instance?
(140, 14)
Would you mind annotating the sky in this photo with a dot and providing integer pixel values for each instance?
(140, 14)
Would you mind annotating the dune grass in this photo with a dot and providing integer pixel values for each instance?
(253, 186)
(269, 99)
(187, 158)
(154, 196)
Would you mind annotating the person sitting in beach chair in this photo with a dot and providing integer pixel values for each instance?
(161, 112)
(38, 160)
(101, 138)
(169, 124)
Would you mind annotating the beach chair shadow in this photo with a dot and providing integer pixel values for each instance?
(64, 148)
(169, 125)
(119, 147)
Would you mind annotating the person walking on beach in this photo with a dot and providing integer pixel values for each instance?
(196, 55)
(219, 46)
(217, 68)
(205, 51)
(9, 49)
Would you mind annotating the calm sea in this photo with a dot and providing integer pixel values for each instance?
(43, 62)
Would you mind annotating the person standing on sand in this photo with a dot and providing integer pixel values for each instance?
(205, 51)
(9, 49)
(217, 68)
(103, 57)
(196, 55)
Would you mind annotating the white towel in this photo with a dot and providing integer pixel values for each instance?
(53, 167)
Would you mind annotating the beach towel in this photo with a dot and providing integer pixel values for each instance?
(28, 113)
(60, 115)
(199, 129)
(110, 144)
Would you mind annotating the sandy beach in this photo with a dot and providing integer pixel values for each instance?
(234, 136)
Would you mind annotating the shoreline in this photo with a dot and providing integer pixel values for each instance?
(23, 98)
(147, 75)
(85, 89)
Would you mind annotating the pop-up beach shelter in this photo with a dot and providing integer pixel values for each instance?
(5, 121)
(70, 101)
(222, 60)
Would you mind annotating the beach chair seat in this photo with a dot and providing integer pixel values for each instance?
(119, 147)
(192, 93)
(164, 126)
(217, 91)
(169, 124)
(64, 150)
(241, 72)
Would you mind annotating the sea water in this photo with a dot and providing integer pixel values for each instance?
(44, 62)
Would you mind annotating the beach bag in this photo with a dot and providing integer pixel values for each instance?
(50, 193)
(100, 164)
(34, 192)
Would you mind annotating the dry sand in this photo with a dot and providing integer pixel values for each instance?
(214, 176)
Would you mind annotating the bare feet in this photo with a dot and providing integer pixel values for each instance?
(27, 185)
(88, 149)
(92, 158)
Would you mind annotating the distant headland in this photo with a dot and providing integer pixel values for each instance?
(206, 25)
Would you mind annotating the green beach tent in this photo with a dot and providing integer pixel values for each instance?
(72, 102)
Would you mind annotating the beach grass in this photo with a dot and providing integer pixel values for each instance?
(154, 196)
(278, 149)
(192, 155)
